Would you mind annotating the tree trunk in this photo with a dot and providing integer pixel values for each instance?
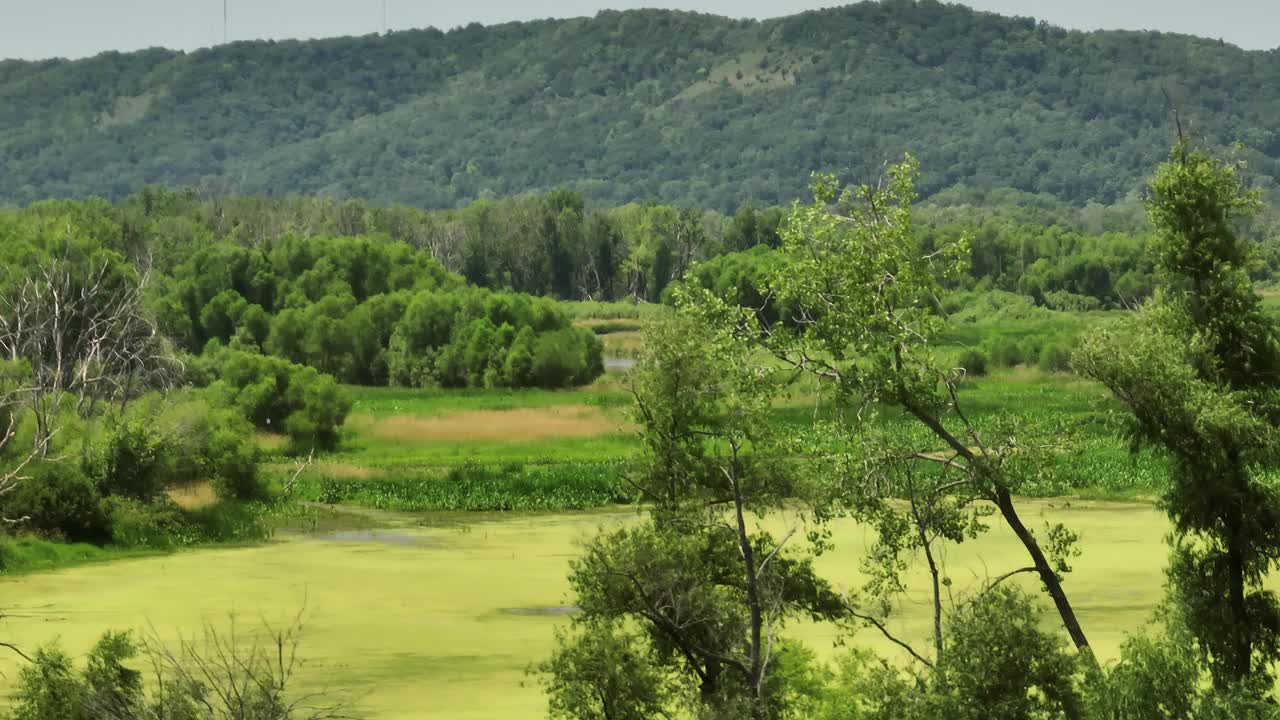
(754, 606)
(1052, 584)
(1004, 502)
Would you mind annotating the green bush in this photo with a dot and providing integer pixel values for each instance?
(1029, 348)
(1055, 358)
(1005, 352)
(275, 394)
(973, 362)
(164, 525)
(60, 501)
(477, 338)
(141, 525)
(572, 356)
(133, 460)
(172, 439)
(218, 677)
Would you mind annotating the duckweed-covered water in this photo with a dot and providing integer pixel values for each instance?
(442, 621)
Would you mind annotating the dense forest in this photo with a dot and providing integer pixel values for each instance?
(313, 258)
(630, 106)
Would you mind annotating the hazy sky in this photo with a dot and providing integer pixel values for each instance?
(76, 28)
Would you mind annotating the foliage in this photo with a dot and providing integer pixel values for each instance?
(706, 590)
(477, 488)
(865, 295)
(998, 664)
(974, 362)
(481, 339)
(677, 106)
(371, 311)
(220, 677)
(608, 673)
(1199, 369)
(61, 501)
(275, 394)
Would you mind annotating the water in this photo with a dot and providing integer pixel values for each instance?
(443, 621)
(618, 364)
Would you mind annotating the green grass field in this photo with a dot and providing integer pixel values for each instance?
(402, 447)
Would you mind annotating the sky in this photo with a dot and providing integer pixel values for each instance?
(34, 29)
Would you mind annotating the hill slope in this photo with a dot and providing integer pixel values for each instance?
(632, 105)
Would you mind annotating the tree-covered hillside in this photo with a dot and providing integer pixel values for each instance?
(673, 106)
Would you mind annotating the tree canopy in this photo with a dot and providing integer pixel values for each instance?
(625, 106)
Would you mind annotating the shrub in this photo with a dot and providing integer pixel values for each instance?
(138, 524)
(566, 357)
(60, 501)
(973, 362)
(1071, 302)
(133, 460)
(1005, 352)
(1055, 358)
(1000, 665)
(275, 394)
(173, 439)
(219, 676)
(1029, 348)
(477, 338)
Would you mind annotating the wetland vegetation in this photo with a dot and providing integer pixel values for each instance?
(927, 471)
(989, 455)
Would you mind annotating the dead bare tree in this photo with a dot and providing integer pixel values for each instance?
(229, 676)
(83, 331)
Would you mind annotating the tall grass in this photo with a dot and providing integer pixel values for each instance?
(595, 310)
(478, 488)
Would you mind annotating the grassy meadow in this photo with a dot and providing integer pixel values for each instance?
(556, 450)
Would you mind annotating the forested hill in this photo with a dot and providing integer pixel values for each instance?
(633, 105)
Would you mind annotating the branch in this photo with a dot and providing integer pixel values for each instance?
(877, 624)
(288, 487)
(775, 552)
(17, 650)
(1006, 576)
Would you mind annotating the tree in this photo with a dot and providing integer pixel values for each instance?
(706, 587)
(864, 298)
(1199, 369)
(74, 315)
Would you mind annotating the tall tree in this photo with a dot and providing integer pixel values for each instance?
(863, 296)
(706, 589)
(1199, 368)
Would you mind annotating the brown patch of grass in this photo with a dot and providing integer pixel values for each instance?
(521, 424)
(194, 496)
(271, 441)
(623, 344)
(343, 471)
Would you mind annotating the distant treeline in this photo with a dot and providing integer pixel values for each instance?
(555, 245)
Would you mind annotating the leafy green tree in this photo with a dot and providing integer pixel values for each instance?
(1199, 369)
(998, 664)
(853, 272)
(277, 395)
(707, 590)
(608, 673)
